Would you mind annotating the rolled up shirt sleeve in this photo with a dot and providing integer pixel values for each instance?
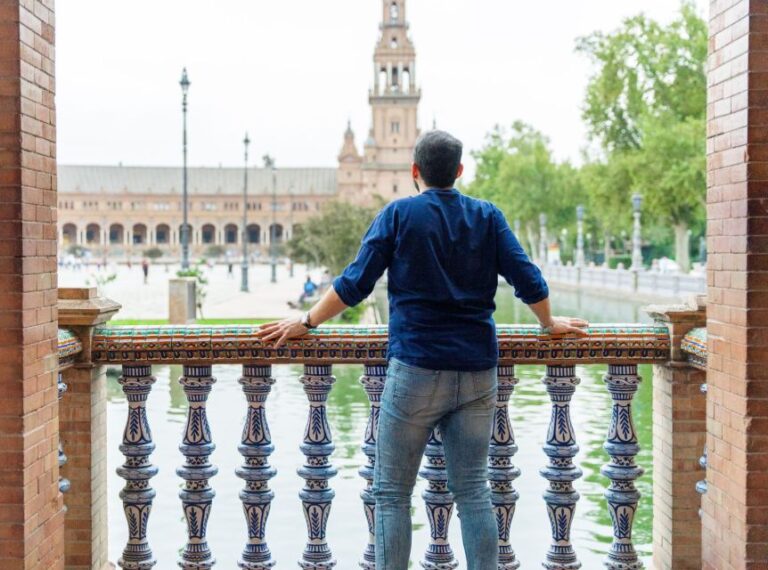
(515, 265)
(359, 278)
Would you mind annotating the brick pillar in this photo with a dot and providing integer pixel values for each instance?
(735, 508)
(679, 433)
(31, 516)
(83, 426)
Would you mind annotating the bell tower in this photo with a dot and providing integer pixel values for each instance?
(385, 166)
(395, 97)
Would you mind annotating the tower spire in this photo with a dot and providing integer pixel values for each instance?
(384, 169)
(395, 55)
(394, 13)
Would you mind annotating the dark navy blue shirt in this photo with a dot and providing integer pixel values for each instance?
(444, 252)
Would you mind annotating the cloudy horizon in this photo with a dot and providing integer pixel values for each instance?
(292, 73)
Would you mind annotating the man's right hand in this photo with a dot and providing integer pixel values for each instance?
(565, 325)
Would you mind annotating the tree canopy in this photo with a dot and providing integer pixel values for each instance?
(516, 171)
(646, 108)
(332, 238)
(645, 112)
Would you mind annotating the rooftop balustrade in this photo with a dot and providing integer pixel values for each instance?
(200, 348)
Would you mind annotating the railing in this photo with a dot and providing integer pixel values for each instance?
(198, 349)
(652, 283)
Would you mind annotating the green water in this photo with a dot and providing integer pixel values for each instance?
(348, 411)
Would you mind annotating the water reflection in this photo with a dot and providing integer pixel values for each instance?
(348, 411)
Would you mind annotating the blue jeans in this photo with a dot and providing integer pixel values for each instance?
(414, 402)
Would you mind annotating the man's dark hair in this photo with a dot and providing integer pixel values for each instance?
(438, 156)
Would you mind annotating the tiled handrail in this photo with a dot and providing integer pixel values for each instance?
(694, 346)
(199, 348)
(69, 347)
(518, 344)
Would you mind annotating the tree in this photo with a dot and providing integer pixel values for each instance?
(608, 185)
(671, 175)
(517, 172)
(331, 239)
(645, 68)
(646, 107)
(153, 253)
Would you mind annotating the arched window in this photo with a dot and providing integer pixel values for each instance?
(230, 234)
(116, 234)
(163, 234)
(209, 234)
(70, 234)
(139, 234)
(254, 234)
(393, 42)
(93, 234)
(394, 12)
(276, 233)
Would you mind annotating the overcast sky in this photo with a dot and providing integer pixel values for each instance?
(292, 71)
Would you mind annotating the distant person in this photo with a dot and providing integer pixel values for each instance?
(309, 289)
(443, 252)
(230, 269)
(145, 269)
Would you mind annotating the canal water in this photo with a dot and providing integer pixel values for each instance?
(348, 412)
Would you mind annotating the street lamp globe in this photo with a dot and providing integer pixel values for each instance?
(185, 83)
(637, 202)
(244, 233)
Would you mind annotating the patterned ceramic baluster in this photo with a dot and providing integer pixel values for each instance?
(561, 448)
(197, 446)
(621, 445)
(373, 381)
(256, 447)
(501, 472)
(63, 483)
(439, 500)
(137, 495)
(316, 496)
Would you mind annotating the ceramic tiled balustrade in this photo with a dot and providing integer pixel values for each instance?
(200, 348)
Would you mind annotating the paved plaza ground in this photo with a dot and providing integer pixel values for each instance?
(224, 299)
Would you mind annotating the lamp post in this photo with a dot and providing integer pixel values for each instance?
(580, 236)
(543, 238)
(269, 162)
(185, 199)
(244, 277)
(637, 254)
(290, 225)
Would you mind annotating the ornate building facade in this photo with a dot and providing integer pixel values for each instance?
(125, 210)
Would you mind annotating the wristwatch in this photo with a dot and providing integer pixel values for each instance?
(306, 322)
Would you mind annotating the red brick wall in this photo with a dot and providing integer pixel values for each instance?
(31, 518)
(735, 518)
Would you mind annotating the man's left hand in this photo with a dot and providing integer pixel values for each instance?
(282, 331)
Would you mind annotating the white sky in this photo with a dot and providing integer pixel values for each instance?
(292, 71)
